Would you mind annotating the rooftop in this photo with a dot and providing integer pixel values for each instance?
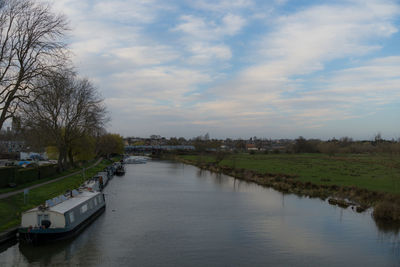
(70, 202)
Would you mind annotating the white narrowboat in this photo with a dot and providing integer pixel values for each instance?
(61, 217)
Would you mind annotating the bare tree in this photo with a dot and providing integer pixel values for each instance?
(29, 47)
(65, 109)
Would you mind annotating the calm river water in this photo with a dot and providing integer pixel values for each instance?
(170, 214)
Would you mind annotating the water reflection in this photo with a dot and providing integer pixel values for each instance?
(47, 253)
(221, 179)
(80, 250)
(387, 227)
(175, 168)
(201, 173)
(8, 244)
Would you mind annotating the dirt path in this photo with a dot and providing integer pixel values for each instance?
(9, 194)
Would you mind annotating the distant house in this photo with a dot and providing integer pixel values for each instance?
(11, 146)
(251, 147)
(33, 155)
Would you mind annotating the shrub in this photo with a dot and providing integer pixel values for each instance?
(6, 175)
(22, 176)
(388, 209)
(27, 175)
(47, 171)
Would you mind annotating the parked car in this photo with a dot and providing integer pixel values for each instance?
(10, 163)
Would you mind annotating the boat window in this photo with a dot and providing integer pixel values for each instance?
(42, 217)
(99, 198)
(71, 217)
(95, 201)
(84, 208)
(39, 219)
(91, 204)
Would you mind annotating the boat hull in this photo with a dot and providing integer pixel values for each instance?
(40, 236)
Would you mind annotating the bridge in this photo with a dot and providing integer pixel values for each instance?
(156, 149)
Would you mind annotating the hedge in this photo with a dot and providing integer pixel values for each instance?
(47, 171)
(27, 175)
(6, 176)
(22, 176)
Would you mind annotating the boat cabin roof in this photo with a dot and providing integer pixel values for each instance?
(71, 203)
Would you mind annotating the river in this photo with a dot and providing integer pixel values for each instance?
(171, 214)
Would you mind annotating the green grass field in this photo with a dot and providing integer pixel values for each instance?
(372, 172)
(12, 207)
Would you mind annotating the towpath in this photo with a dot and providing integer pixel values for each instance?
(9, 194)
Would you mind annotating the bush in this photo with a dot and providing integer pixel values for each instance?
(27, 175)
(22, 176)
(46, 171)
(6, 176)
(388, 209)
(306, 146)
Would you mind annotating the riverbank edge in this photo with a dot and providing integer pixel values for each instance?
(386, 206)
(8, 235)
(11, 233)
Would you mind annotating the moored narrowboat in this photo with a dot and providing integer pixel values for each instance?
(135, 160)
(61, 217)
(120, 170)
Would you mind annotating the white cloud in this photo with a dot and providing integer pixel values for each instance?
(146, 55)
(222, 5)
(133, 11)
(205, 40)
(159, 60)
(204, 52)
(200, 28)
(376, 81)
(164, 84)
(302, 43)
(232, 24)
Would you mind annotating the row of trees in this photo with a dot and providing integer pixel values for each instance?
(39, 88)
(344, 145)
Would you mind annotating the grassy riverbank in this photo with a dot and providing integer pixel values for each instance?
(366, 180)
(372, 172)
(12, 207)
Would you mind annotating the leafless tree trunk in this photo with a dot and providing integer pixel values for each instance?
(29, 47)
(65, 109)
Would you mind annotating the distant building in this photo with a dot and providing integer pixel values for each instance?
(251, 147)
(151, 148)
(33, 156)
(11, 146)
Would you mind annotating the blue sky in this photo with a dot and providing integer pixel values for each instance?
(241, 68)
